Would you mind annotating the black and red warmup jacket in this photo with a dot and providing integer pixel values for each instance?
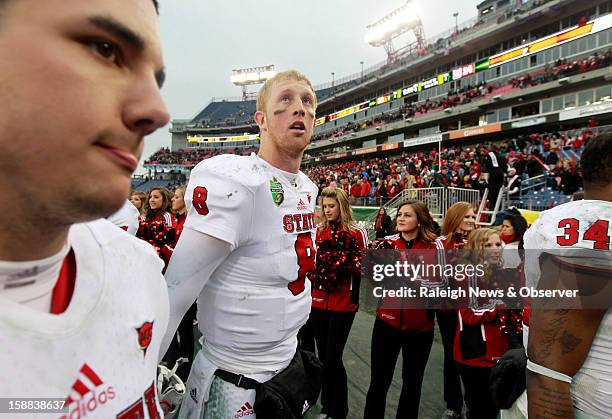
(391, 309)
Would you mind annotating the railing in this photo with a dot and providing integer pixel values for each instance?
(486, 216)
(438, 200)
(532, 183)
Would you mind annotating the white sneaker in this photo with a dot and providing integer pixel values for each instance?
(450, 414)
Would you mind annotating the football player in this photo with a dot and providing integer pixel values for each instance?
(570, 350)
(126, 218)
(246, 248)
(83, 305)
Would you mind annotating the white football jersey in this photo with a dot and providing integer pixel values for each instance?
(100, 355)
(126, 218)
(579, 234)
(253, 305)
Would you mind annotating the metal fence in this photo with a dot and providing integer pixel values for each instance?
(438, 200)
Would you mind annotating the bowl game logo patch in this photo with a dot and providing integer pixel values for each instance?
(278, 194)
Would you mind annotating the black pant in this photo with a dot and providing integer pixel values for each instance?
(386, 344)
(477, 394)
(331, 330)
(306, 338)
(447, 322)
(183, 346)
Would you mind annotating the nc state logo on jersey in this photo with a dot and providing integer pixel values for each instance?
(145, 335)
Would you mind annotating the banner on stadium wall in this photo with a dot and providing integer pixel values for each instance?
(423, 140)
(471, 132)
(583, 111)
(365, 150)
(528, 122)
(348, 111)
(200, 139)
(567, 35)
(393, 146)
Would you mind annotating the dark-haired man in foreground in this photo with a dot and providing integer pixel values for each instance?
(83, 304)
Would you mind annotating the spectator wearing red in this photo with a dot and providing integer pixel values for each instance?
(407, 329)
(157, 226)
(458, 223)
(365, 188)
(179, 210)
(394, 188)
(181, 347)
(335, 294)
(356, 189)
(479, 340)
(383, 224)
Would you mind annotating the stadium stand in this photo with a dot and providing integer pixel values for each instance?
(479, 82)
(529, 80)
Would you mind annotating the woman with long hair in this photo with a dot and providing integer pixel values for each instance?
(513, 229)
(183, 346)
(335, 294)
(179, 210)
(157, 225)
(382, 225)
(479, 340)
(458, 223)
(397, 328)
(139, 199)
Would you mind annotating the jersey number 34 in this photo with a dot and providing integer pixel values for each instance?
(597, 233)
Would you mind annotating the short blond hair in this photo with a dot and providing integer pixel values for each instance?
(264, 92)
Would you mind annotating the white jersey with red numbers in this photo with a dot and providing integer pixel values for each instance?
(126, 218)
(100, 355)
(255, 302)
(578, 234)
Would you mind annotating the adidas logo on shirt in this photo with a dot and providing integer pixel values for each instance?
(245, 410)
(87, 393)
(301, 206)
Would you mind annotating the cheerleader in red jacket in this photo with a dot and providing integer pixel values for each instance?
(335, 294)
(407, 329)
(157, 225)
(480, 339)
(459, 222)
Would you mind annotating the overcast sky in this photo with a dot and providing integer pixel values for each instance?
(203, 40)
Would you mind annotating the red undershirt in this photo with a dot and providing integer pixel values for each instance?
(62, 292)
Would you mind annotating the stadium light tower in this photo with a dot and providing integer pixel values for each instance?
(396, 23)
(248, 76)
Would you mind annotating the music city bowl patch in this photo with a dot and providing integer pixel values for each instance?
(278, 194)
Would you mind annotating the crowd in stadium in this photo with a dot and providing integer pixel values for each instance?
(381, 178)
(467, 94)
(192, 156)
(563, 68)
(375, 180)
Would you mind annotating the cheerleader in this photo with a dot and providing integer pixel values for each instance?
(157, 225)
(459, 222)
(479, 339)
(397, 328)
(335, 294)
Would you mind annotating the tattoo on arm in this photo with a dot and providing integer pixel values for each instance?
(569, 342)
(552, 403)
(552, 333)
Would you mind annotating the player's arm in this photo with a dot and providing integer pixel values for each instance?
(195, 258)
(559, 341)
(219, 219)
